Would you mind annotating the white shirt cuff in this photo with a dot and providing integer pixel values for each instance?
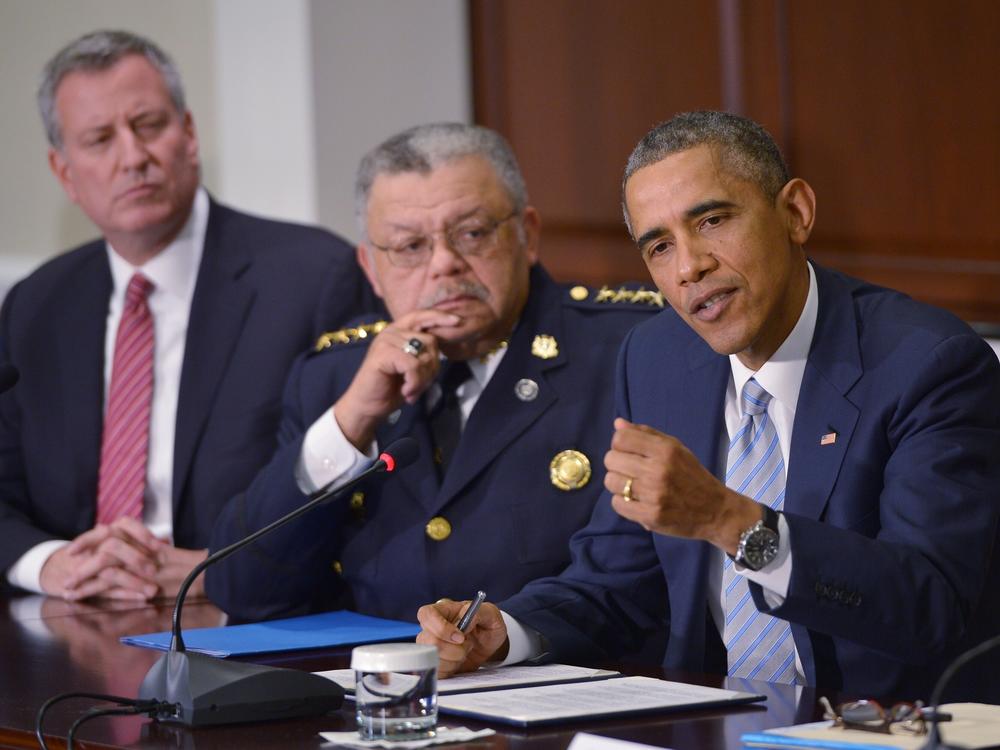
(26, 573)
(525, 643)
(775, 578)
(328, 456)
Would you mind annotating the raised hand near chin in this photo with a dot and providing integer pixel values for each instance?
(400, 364)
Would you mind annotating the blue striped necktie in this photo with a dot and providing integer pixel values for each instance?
(759, 646)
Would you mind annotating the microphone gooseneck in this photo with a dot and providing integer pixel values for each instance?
(399, 454)
(199, 690)
(966, 657)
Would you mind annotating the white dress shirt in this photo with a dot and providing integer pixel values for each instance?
(174, 272)
(781, 376)
(327, 456)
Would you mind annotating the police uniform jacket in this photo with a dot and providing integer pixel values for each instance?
(495, 522)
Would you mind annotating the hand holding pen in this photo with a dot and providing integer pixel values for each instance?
(464, 640)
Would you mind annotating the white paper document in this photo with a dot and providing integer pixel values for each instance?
(550, 704)
(587, 741)
(495, 678)
(972, 726)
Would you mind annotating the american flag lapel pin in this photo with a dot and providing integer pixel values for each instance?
(828, 439)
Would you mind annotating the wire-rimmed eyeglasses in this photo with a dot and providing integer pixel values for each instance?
(870, 716)
(473, 236)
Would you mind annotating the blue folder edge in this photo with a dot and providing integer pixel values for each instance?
(341, 628)
(774, 740)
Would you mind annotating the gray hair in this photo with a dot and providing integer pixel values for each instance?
(425, 147)
(744, 147)
(99, 51)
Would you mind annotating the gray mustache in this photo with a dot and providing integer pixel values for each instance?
(465, 288)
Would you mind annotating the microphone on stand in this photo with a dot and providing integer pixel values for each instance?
(205, 690)
(960, 661)
(8, 377)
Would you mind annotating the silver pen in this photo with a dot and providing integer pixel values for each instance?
(466, 620)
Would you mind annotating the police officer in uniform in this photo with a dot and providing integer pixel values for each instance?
(504, 378)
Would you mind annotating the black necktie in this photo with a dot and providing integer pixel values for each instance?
(446, 416)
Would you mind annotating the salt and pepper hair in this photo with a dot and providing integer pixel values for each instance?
(424, 148)
(744, 148)
(95, 52)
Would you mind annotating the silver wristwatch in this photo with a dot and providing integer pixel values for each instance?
(758, 545)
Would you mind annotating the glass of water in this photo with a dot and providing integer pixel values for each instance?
(395, 689)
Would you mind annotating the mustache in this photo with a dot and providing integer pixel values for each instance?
(463, 288)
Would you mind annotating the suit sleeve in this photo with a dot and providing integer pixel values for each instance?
(17, 529)
(281, 573)
(612, 594)
(909, 576)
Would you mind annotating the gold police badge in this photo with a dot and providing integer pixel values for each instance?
(569, 470)
(545, 346)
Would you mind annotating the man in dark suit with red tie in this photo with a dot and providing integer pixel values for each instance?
(151, 360)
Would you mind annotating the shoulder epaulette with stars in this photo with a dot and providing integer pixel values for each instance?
(609, 296)
(349, 335)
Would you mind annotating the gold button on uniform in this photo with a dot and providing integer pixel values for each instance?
(579, 293)
(337, 567)
(569, 470)
(438, 529)
(357, 506)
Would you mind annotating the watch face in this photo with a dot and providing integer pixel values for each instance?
(760, 548)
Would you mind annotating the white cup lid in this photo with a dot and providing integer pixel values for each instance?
(394, 657)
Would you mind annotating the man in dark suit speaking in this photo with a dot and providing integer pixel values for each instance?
(802, 483)
(151, 360)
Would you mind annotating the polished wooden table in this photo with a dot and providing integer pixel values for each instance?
(49, 647)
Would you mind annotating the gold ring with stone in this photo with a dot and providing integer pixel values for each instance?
(627, 491)
(413, 347)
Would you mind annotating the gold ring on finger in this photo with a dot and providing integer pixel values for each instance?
(627, 491)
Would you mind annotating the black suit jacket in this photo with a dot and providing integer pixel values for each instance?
(264, 291)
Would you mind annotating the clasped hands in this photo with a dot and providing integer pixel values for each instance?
(669, 492)
(121, 560)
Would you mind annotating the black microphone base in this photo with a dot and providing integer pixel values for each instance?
(208, 691)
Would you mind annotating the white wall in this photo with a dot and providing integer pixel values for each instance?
(266, 144)
(382, 66)
(286, 96)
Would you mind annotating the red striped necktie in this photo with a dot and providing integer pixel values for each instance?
(122, 479)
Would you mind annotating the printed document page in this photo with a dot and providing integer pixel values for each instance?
(494, 678)
(618, 696)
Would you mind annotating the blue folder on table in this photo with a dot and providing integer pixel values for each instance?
(341, 628)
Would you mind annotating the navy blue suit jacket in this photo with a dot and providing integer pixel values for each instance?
(264, 290)
(509, 524)
(892, 526)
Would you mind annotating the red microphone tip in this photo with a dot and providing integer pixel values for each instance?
(390, 462)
